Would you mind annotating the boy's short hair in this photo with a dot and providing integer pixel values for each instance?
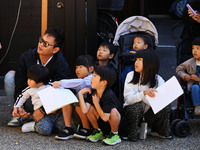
(38, 73)
(110, 46)
(106, 73)
(146, 38)
(85, 60)
(196, 41)
(59, 35)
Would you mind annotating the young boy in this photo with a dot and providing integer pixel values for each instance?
(38, 78)
(140, 42)
(84, 69)
(190, 72)
(103, 109)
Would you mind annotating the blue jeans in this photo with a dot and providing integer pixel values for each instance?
(195, 92)
(9, 86)
(50, 122)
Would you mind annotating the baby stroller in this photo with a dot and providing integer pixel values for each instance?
(123, 40)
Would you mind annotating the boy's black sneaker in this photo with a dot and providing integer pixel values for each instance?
(83, 133)
(65, 134)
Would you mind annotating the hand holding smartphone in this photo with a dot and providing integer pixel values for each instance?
(192, 10)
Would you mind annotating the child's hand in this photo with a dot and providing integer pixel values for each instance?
(95, 99)
(132, 52)
(150, 92)
(23, 113)
(15, 112)
(195, 78)
(38, 115)
(84, 91)
(56, 84)
(187, 77)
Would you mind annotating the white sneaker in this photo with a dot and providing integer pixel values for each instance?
(28, 127)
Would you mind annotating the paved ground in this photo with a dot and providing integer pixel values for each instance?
(13, 138)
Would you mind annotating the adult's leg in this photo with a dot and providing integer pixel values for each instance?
(9, 86)
(134, 114)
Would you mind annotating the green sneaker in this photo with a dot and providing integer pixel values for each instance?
(112, 139)
(95, 136)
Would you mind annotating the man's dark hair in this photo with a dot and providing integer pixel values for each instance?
(85, 60)
(110, 46)
(38, 73)
(106, 73)
(59, 35)
(196, 41)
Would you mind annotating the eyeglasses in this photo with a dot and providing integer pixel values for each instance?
(45, 43)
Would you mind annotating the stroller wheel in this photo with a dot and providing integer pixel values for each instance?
(173, 125)
(182, 128)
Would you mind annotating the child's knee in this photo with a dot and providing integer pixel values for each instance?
(115, 114)
(194, 87)
(44, 127)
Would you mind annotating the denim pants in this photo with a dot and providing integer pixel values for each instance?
(9, 86)
(195, 93)
(52, 121)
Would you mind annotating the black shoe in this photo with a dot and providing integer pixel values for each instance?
(65, 134)
(83, 133)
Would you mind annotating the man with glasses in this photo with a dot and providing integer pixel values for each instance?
(47, 54)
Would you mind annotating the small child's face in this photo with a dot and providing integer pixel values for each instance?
(95, 81)
(196, 51)
(82, 71)
(138, 44)
(32, 84)
(139, 65)
(103, 53)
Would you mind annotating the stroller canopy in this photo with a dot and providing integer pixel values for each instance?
(135, 24)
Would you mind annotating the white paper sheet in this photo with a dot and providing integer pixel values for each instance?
(166, 94)
(55, 98)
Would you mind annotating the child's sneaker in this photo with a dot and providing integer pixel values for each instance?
(28, 127)
(82, 133)
(95, 136)
(156, 134)
(15, 122)
(112, 139)
(65, 134)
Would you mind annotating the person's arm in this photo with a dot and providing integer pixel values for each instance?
(104, 116)
(181, 71)
(84, 105)
(131, 95)
(74, 83)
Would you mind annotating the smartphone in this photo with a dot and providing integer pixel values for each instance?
(192, 10)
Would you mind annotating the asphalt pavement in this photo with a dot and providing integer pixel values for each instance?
(11, 138)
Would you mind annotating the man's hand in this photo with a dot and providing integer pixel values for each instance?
(23, 113)
(38, 115)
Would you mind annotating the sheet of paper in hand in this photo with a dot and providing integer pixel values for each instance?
(55, 98)
(166, 93)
